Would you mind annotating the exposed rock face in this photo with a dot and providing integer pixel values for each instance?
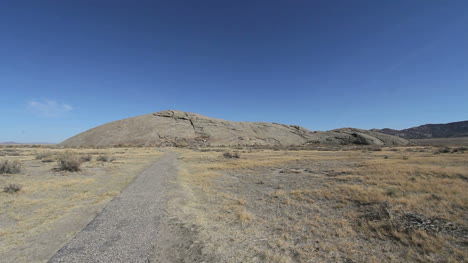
(448, 130)
(169, 128)
(365, 137)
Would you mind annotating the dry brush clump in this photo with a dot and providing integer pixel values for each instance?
(69, 161)
(86, 158)
(231, 155)
(105, 158)
(12, 188)
(426, 238)
(461, 149)
(45, 156)
(10, 167)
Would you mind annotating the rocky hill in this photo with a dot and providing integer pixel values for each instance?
(177, 128)
(448, 130)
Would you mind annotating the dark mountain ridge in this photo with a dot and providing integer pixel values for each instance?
(427, 131)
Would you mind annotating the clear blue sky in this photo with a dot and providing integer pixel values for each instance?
(67, 66)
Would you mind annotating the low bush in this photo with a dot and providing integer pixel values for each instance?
(105, 158)
(86, 158)
(460, 149)
(12, 188)
(69, 162)
(8, 167)
(230, 155)
(44, 155)
(442, 150)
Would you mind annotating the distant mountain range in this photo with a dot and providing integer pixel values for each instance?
(9, 143)
(21, 143)
(427, 131)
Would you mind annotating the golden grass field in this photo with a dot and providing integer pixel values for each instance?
(53, 205)
(404, 204)
(332, 204)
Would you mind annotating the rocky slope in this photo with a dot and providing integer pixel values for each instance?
(448, 130)
(177, 128)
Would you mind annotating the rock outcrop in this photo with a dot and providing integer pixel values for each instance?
(177, 128)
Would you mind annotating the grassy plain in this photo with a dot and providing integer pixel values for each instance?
(328, 204)
(405, 204)
(53, 204)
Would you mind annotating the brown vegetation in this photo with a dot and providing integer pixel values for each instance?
(48, 209)
(45, 155)
(105, 158)
(69, 161)
(231, 155)
(10, 167)
(359, 205)
(12, 188)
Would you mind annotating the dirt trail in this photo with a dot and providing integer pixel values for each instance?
(128, 229)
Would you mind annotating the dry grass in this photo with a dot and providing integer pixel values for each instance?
(391, 204)
(53, 205)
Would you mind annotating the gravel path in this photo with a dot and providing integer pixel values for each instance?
(127, 229)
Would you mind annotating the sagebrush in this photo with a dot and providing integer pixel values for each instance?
(10, 167)
(105, 158)
(230, 155)
(12, 188)
(69, 162)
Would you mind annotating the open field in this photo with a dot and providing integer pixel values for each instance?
(53, 204)
(323, 204)
(405, 204)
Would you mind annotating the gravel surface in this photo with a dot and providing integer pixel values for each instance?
(128, 228)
